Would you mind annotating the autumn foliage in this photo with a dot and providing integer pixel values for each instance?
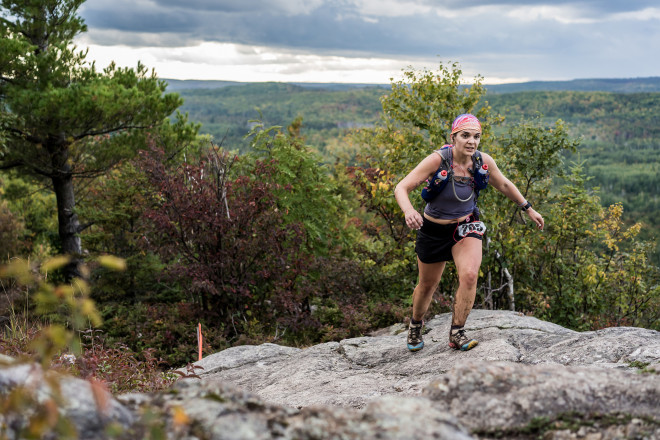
(228, 241)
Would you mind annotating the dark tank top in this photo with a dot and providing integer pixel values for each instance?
(446, 204)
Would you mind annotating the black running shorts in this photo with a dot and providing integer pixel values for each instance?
(434, 241)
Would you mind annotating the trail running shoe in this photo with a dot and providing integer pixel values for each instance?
(415, 341)
(458, 340)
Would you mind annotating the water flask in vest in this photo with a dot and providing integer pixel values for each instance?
(434, 185)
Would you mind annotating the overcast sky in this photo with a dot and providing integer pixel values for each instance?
(371, 41)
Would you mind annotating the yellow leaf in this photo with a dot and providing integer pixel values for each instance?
(84, 271)
(81, 285)
(18, 269)
(88, 309)
(64, 291)
(55, 263)
(179, 416)
(112, 262)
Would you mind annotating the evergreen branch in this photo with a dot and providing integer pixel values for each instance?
(11, 165)
(111, 130)
(28, 137)
(84, 226)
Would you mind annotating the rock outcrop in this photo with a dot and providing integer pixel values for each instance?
(526, 379)
(354, 371)
(91, 411)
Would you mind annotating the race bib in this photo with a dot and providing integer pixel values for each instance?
(471, 228)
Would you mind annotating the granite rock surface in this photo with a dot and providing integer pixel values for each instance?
(526, 379)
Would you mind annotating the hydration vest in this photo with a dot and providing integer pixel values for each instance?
(445, 173)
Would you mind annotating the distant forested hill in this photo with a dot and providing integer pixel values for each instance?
(617, 85)
(620, 131)
(620, 142)
(226, 108)
(229, 112)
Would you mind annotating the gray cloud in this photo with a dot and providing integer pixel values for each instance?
(593, 6)
(138, 17)
(230, 6)
(292, 7)
(542, 36)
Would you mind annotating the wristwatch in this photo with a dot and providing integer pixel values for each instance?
(526, 206)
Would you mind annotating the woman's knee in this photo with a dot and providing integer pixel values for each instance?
(468, 277)
(429, 276)
(426, 288)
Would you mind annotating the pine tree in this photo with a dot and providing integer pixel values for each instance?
(62, 119)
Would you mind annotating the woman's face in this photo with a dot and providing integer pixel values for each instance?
(467, 141)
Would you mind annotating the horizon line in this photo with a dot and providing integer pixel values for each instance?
(385, 84)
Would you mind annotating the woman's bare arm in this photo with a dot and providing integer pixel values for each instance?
(506, 187)
(415, 178)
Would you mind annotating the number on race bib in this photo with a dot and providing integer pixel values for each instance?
(471, 228)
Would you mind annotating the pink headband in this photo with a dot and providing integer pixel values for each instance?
(465, 122)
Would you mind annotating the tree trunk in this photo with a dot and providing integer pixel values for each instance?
(69, 226)
(509, 283)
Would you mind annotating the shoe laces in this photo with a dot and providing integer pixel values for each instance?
(415, 331)
(460, 334)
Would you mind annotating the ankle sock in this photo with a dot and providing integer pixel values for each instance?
(414, 321)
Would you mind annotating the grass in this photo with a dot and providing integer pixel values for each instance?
(18, 330)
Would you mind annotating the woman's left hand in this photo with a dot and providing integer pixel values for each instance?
(536, 218)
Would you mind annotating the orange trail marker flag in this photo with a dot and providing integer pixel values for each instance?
(199, 340)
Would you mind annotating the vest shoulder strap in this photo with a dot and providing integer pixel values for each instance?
(445, 153)
(480, 180)
(477, 160)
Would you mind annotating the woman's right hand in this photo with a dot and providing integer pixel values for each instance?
(414, 219)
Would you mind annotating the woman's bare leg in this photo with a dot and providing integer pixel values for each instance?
(429, 278)
(467, 256)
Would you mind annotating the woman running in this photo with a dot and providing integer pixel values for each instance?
(450, 229)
